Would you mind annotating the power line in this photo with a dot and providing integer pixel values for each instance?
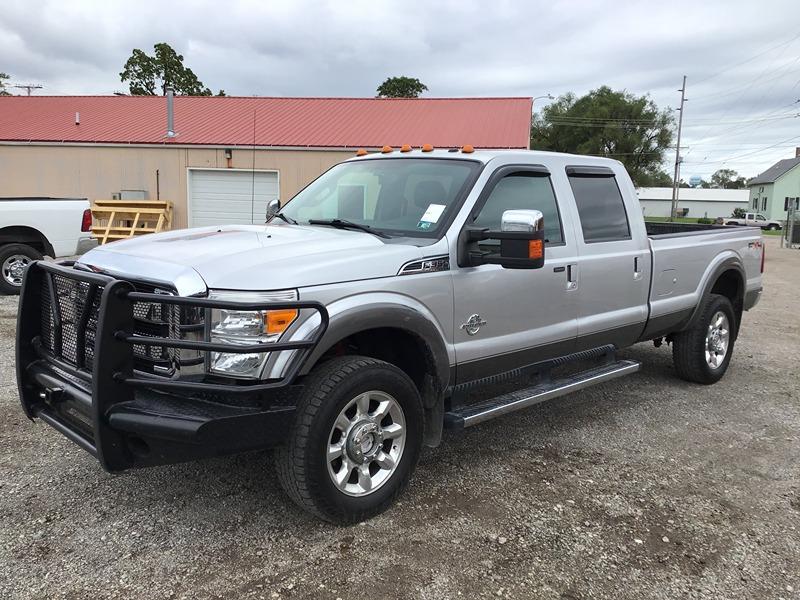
(726, 69)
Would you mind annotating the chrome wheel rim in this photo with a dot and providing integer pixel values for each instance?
(366, 443)
(717, 340)
(14, 268)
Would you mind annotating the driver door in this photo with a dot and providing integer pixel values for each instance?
(507, 318)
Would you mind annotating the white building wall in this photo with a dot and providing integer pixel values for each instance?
(697, 209)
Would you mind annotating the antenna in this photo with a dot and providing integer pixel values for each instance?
(29, 87)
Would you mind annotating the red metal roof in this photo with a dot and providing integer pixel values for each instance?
(292, 122)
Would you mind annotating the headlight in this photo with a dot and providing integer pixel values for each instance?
(245, 327)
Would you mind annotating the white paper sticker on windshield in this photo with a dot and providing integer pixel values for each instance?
(431, 216)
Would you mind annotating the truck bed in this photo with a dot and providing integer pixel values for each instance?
(686, 255)
(662, 228)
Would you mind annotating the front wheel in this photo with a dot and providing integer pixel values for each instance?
(356, 439)
(702, 353)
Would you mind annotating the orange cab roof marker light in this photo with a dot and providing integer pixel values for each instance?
(427, 148)
(387, 149)
(361, 152)
(467, 149)
(405, 148)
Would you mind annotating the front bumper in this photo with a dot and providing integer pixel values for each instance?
(126, 419)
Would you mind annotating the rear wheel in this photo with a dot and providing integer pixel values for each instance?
(702, 354)
(773, 227)
(356, 439)
(14, 259)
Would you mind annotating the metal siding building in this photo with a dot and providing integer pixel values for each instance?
(95, 147)
(710, 203)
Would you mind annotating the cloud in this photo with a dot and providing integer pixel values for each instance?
(458, 48)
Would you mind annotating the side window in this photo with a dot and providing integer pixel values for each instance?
(764, 204)
(601, 208)
(531, 191)
(761, 218)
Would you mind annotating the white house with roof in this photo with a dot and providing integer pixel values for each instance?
(698, 202)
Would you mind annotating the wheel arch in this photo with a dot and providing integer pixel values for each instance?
(398, 334)
(23, 234)
(726, 279)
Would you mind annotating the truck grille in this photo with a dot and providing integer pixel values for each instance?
(151, 319)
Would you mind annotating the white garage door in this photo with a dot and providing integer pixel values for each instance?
(230, 197)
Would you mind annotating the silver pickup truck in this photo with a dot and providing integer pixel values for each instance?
(398, 294)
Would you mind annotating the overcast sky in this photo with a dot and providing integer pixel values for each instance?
(742, 58)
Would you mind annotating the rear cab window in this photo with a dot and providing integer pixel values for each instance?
(601, 208)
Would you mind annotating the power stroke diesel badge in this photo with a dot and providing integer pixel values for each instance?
(473, 324)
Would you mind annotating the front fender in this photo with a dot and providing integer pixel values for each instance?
(362, 312)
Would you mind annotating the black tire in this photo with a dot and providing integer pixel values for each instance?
(689, 347)
(773, 227)
(9, 252)
(301, 463)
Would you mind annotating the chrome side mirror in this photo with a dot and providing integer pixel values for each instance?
(528, 221)
(273, 206)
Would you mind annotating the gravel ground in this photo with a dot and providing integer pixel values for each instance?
(647, 487)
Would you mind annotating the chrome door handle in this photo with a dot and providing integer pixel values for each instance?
(637, 268)
(572, 276)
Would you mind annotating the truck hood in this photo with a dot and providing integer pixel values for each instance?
(251, 257)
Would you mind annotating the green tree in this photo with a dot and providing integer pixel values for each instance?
(728, 179)
(152, 75)
(401, 87)
(4, 77)
(604, 122)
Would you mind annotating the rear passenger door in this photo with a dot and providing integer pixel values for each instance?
(613, 272)
(521, 315)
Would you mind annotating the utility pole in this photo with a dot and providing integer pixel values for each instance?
(29, 87)
(677, 178)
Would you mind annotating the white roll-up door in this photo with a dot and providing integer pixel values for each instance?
(219, 197)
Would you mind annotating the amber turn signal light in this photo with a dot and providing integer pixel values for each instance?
(427, 148)
(361, 152)
(277, 321)
(535, 249)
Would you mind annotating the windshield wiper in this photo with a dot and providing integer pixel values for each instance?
(284, 218)
(343, 224)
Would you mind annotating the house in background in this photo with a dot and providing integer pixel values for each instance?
(698, 202)
(769, 190)
(228, 156)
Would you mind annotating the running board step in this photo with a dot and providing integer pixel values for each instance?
(472, 414)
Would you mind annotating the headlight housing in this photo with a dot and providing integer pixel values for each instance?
(245, 327)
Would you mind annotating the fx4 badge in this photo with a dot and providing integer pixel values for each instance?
(473, 324)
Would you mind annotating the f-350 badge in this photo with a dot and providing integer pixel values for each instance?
(473, 324)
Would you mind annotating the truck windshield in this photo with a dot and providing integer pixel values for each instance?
(403, 196)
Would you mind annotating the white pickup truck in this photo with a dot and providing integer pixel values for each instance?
(31, 228)
(754, 220)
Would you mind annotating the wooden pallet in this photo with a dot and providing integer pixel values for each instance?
(120, 219)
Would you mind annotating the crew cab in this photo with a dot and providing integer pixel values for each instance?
(31, 228)
(398, 294)
(754, 220)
